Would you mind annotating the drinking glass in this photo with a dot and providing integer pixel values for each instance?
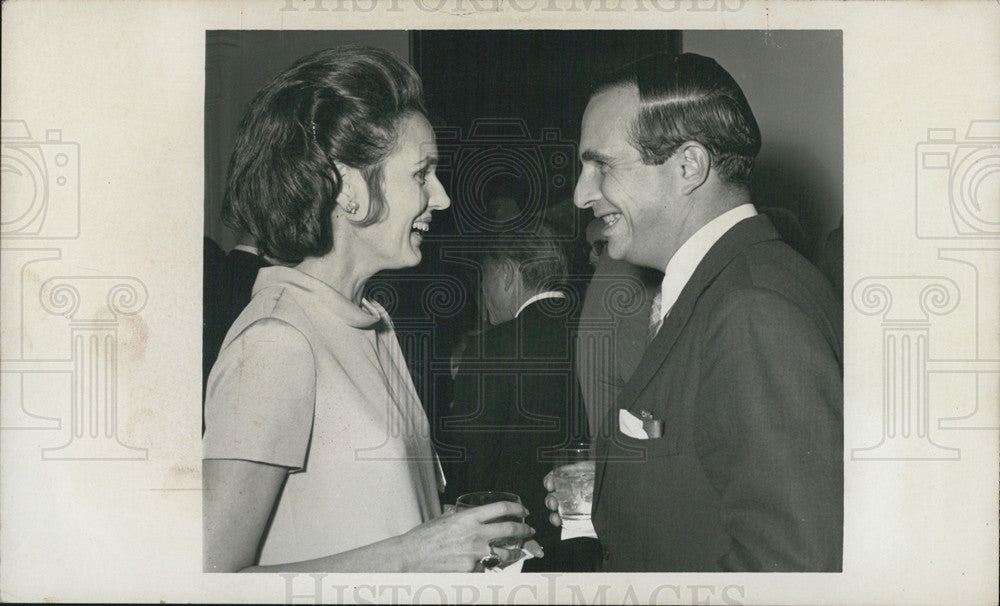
(475, 499)
(573, 474)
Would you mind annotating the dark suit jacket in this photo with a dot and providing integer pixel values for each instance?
(513, 404)
(746, 374)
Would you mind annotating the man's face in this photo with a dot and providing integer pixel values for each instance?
(636, 201)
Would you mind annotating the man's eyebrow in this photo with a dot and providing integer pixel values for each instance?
(594, 156)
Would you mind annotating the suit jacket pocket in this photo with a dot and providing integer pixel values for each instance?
(666, 445)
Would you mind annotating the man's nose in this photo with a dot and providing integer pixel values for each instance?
(586, 191)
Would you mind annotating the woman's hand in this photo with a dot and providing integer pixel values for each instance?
(240, 495)
(458, 540)
(550, 500)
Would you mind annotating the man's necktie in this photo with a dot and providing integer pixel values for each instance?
(655, 319)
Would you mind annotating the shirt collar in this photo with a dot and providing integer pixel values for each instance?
(247, 249)
(681, 266)
(548, 294)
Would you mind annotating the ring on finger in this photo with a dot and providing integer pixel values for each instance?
(490, 561)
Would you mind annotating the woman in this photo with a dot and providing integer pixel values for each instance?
(316, 449)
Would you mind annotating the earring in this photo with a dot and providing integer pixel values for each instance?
(351, 207)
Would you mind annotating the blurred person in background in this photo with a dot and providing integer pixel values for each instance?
(515, 394)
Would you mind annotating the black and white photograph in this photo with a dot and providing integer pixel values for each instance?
(500, 301)
(530, 262)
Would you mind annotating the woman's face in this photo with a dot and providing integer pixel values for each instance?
(411, 191)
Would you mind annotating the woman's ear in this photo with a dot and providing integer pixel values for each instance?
(352, 183)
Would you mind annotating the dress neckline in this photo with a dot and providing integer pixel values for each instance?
(367, 315)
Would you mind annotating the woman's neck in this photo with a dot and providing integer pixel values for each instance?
(337, 272)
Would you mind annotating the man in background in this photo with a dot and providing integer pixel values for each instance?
(516, 398)
(226, 289)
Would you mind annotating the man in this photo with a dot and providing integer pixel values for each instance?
(515, 394)
(729, 441)
(831, 261)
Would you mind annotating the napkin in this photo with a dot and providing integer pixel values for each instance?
(572, 529)
(513, 567)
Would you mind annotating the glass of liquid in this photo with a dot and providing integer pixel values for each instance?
(476, 499)
(573, 474)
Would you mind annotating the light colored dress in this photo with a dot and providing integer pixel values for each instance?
(309, 381)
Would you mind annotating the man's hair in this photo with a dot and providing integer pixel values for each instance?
(540, 258)
(689, 97)
(343, 104)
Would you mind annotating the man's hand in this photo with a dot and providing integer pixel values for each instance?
(532, 547)
(550, 500)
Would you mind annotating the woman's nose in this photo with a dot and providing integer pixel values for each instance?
(439, 197)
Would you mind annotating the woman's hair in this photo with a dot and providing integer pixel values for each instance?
(689, 97)
(342, 104)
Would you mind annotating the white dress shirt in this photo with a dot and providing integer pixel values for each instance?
(253, 250)
(548, 294)
(681, 266)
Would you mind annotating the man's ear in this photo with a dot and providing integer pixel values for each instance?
(695, 164)
(508, 272)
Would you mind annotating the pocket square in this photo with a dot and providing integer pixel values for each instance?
(644, 427)
(631, 425)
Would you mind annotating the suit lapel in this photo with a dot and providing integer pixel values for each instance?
(744, 234)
